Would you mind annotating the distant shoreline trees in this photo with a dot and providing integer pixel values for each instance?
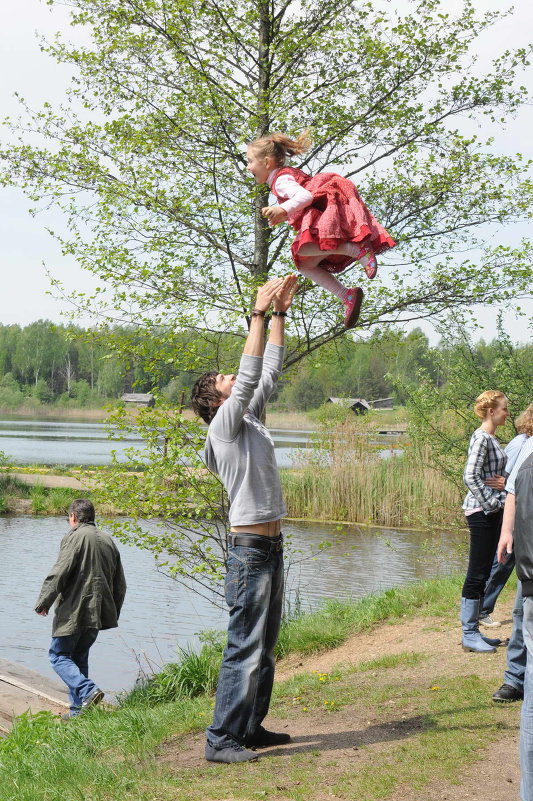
(44, 363)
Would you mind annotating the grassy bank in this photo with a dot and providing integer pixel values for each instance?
(377, 726)
(17, 497)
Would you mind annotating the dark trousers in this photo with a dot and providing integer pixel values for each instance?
(484, 536)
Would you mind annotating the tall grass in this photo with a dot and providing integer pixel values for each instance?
(38, 499)
(196, 673)
(344, 479)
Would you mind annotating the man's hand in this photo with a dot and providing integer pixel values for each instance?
(285, 295)
(267, 292)
(496, 482)
(505, 547)
(274, 214)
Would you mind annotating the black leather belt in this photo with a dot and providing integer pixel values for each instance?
(257, 541)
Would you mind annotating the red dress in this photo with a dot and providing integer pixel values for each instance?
(336, 215)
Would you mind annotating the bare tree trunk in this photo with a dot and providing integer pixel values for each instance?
(261, 229)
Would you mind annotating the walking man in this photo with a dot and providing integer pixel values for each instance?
(240, 450)
(88, 587)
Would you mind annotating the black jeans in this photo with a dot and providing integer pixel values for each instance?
(484, 536)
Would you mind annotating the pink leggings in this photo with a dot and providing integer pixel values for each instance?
(311, 256)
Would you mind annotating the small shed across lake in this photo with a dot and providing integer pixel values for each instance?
(138, 399)
(357, 405)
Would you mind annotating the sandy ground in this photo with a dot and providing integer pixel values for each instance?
(348, 736)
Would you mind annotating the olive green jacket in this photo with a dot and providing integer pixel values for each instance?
(86, 583)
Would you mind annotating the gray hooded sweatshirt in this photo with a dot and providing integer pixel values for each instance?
(240, 449)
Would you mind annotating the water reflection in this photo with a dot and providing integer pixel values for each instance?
(159, 613)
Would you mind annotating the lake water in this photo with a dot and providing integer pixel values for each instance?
(159, 614)
(86, 443)
(59, 442)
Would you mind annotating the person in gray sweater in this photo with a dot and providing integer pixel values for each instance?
(240, 450)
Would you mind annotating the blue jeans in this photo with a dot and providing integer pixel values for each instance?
(526, 718)
(254, 594)
(69, 656)
(516, 650)
(499, 575)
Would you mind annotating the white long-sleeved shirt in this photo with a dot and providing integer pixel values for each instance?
(298, 197)
(240, 449)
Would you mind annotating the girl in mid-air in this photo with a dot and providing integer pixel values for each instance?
(334, 226)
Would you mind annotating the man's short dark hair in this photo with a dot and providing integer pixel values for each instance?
(83, 510)
(205, 397)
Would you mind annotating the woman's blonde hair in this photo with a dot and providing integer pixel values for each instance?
(490, 399)
(524, 421)
(280, 146)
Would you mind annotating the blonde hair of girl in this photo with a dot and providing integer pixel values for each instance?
(524, 421)
(280, 146)
(490, 399)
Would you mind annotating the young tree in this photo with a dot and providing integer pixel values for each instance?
(171, 487)
(441, 413)
(147, 160)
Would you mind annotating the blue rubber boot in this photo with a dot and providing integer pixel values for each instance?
(491, 640)
(472, 639)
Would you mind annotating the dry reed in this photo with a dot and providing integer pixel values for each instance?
(345, 479)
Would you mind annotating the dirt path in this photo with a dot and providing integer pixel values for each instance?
(353, 736)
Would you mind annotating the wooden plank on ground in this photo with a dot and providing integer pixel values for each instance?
(23, 690)
(40, 685)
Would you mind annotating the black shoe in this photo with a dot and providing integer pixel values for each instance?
(92, 699)
(507, 693)
(263, 738)
(233, 753)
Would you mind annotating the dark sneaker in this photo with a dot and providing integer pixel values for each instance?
(507, 693)
(92, 699)
(352, 306)
(263, 738)
(233, 753)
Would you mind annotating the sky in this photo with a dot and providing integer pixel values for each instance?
(28, 252)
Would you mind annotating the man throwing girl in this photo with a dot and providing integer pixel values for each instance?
(240, 451)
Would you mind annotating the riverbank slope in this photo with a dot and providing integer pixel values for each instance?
(396, 712)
